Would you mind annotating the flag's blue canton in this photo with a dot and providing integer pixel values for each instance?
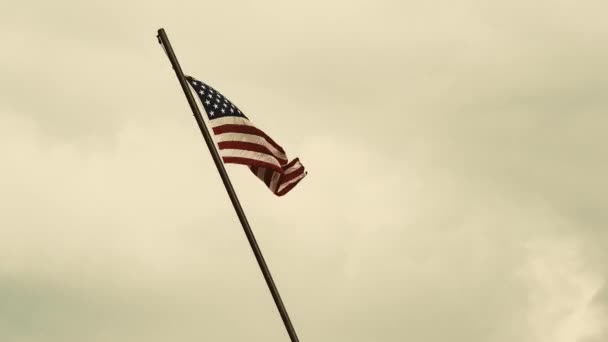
(215, 104)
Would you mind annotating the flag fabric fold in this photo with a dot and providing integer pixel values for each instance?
(240, 142)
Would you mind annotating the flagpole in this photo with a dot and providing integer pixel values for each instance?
(164, 41)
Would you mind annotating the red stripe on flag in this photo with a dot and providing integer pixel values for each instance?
(251, 162)
(288, 188)
(290, 164)
(268, 176)
(295, 174)
(247, 146)
(232, 128)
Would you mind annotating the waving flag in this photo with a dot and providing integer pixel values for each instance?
(240, 142)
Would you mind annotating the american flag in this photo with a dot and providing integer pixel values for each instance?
(240, 142)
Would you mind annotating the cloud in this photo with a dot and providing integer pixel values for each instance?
(455, 187)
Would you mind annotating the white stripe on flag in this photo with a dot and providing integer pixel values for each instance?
(251, 155)
(291, 182)
(275, 181)
(250, 138)
(230, 120)
(294, 167)
(261, 173)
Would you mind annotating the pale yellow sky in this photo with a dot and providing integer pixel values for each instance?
(456, 156)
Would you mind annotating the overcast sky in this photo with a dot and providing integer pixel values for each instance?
(457, 171)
